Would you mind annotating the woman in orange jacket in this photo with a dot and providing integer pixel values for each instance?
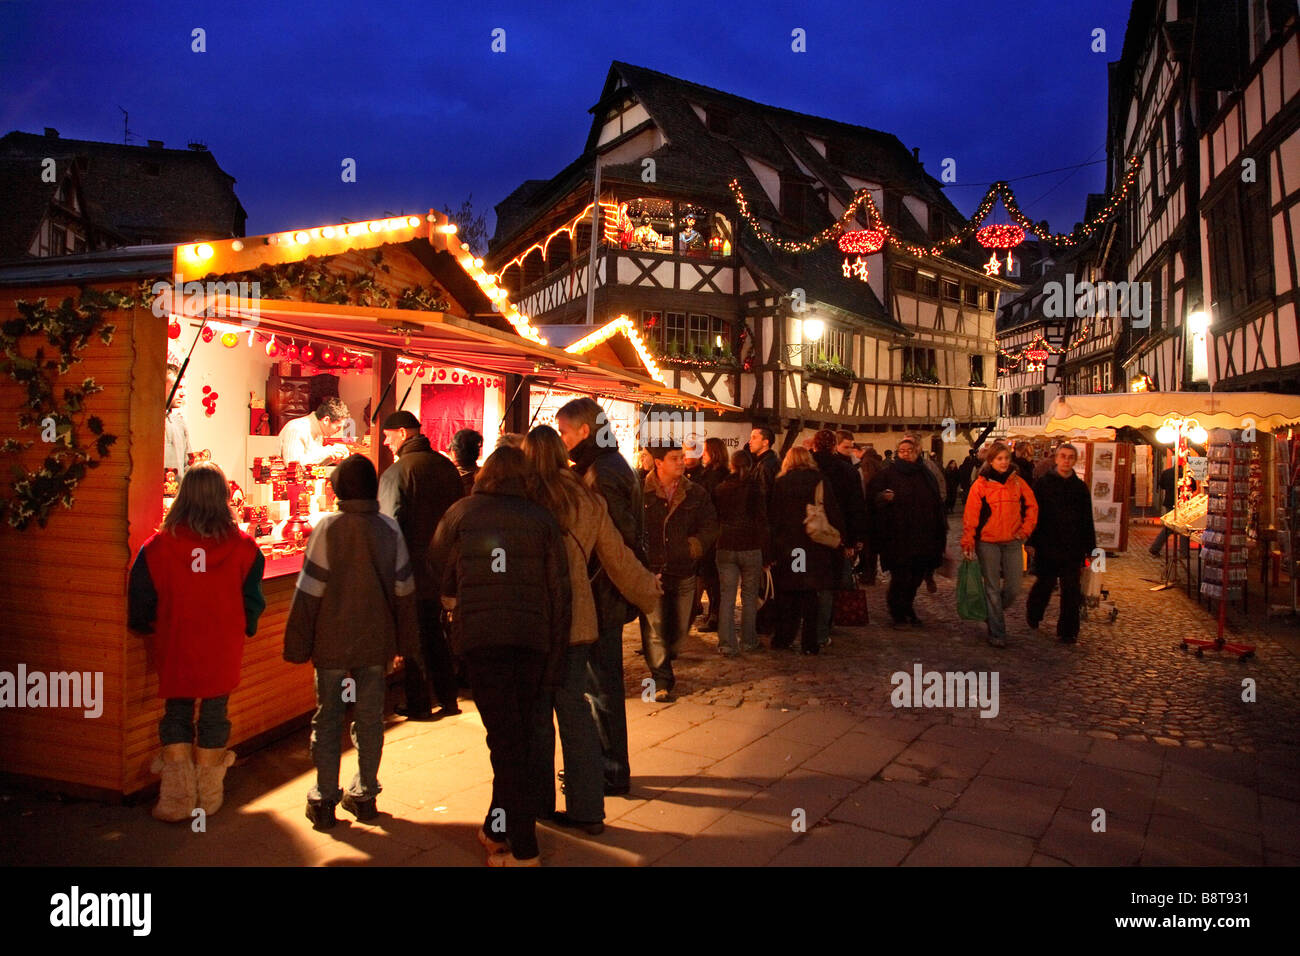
(1000, 514)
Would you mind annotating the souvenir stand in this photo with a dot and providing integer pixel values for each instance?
(370, 312)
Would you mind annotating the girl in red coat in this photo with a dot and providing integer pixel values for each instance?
(196, 586)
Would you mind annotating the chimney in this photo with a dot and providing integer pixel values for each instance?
(916, 153)
(51, 132)
(197, 146)
(155, 144)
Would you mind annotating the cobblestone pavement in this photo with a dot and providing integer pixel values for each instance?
(1126, 680)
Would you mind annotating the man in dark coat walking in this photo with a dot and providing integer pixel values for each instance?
(593, 449)
(1063, 537)
(842, 476)
(908, 527)
(416, 491)
(765, 458)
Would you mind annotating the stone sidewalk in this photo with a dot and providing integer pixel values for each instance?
(777, 759)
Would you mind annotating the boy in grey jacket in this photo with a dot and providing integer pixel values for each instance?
(352, 613)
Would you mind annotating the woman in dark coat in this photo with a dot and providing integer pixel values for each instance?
(711, 474)
(803, 568)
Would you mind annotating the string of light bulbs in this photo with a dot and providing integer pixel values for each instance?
(999, 190)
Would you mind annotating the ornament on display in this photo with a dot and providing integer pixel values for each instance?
(291, 353)
(209, 401)
(272, 350)
(999, 236)
(173, 330)
(207, 334)
(229, 340)
(859, 243)
(308, 353)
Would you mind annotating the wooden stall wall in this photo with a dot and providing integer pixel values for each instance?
(63, 602)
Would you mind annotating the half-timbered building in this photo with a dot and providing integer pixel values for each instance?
(798, 340)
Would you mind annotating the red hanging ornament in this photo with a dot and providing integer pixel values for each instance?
(1003, 235)
(419, 373)
(442, 374)
(174, 330)
(291, 353)
(862, 242)
(455, 377)
(327, 356)
(308, 353)
(207, 334)
(272, 350)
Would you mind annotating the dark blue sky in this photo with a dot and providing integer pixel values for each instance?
(412, 91)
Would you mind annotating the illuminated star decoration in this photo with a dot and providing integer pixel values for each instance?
(993, 266)
(860, 268)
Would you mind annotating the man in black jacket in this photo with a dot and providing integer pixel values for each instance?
(594, 452)
(681, 525)
(764, 455)
(909, 527)
(416, 491)
(1063, 537)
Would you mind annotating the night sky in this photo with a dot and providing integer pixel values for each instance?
(414, 94)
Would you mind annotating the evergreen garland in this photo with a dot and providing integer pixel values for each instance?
(59, 412)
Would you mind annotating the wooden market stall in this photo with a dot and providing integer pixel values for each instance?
(379, 305)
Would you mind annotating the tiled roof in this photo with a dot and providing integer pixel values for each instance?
(138, 192)
(705, 160)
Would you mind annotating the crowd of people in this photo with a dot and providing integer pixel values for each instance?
(519, 576)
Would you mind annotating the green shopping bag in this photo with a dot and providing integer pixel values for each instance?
(970, 592)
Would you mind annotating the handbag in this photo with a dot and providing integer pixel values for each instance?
(970, 592)
(766, 589)
(815, 523)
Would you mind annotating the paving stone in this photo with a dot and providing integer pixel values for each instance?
(1042, 859)
(735, 839)
(764, 761)
(1027, 759)
(1236, 768)
(1007, 805)
(814, 793)
(1071, 837)
(1124, 795)
(715, 738)
(1172, 841)
(691, 806)
(842, 844)
(856, 756)
(657, 769)
(818, 727)
(1281, 825)
(941, 759)
(1191, 796)
(881, 806)
(951, 843)
(891, 728)
(1127, 755)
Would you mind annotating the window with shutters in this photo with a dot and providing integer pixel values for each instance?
(1241, 255)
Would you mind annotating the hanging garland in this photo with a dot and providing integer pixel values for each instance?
(57, 410)
(876, 222)
(1034, 354)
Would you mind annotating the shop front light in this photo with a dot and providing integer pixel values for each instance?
(1166, 434)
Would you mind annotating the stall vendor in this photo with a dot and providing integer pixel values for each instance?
(301, 440)
(176, 444)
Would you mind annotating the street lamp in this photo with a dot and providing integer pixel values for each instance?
(1198, 324)
(811, 331)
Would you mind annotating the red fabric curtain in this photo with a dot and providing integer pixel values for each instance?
(446, 409)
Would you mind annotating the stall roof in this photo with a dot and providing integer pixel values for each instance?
(617, 340)
(442, 338)
(1268, 410)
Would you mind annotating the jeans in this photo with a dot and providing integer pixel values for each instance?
(797, 608)
(1002, 563)
(507, 682)
(584, 771)
(438, 666)
(668, 624)
(1158, 544)
(743, 569)
(905, 577)
(825, 611)
(367, 731)
(1049, 572)
(177, 724)
(608, 707)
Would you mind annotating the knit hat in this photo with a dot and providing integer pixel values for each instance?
(402, 419)
(355, 478)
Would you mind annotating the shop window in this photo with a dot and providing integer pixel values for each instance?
(951, 290)
(649, 226)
